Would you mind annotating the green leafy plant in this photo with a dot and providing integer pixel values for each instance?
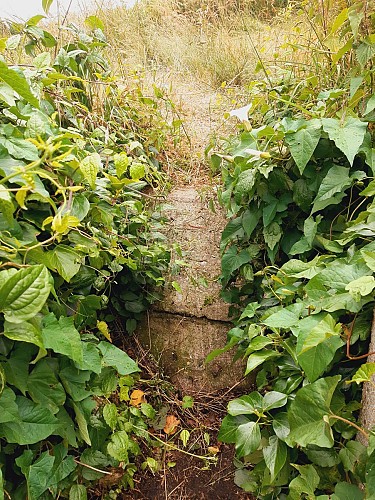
(297, 268)
(80, 253)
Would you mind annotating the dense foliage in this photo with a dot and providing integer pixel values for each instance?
(78, 249)
(298, 262)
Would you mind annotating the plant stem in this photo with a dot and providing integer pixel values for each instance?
(359, 429)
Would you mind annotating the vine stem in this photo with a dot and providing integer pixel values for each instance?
(359, 429)
(202, 457)
(93, 468)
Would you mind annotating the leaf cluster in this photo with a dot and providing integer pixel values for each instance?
(298, 186)
(79, 249)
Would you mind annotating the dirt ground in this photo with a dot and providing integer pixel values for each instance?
(187, 480)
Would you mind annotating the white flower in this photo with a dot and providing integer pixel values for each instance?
(241, 113)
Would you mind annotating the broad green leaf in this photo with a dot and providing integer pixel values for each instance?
(19, 148)
(35, 423)
(285, 317)
(352, 455)
(272, 234)
(233, 260)
(274, 399)
(75, 381)
(303, 142)
(13, 41)
(309, 411)
(246, 181)
(370, 477)
(137, 171)
(347, 491)
(228, 428)
(246, 405)
(370, 106)
(306, 482)
(232, 230)
(364, 373)
(118, 447)
(66, 261)
(259, 357)
(78, 492)
(281, 426)
(61, 336)
(91, 358)
(90, 167)
(369, 258)
(8, 406)
(275, 455)
(43, 386)
(247, 438)
(361, 286)
(317, 344)
(38, 475)
(18, 83)
(347, 135)
(16, 368)
(324, 457)
(332, 188)
(118, 359)
(24, 332)
(24, 294)
(110, 415)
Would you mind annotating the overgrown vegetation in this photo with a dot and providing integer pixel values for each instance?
(298, 264)
(79, 248)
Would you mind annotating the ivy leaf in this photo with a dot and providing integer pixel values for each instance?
(303, 142)
(18, 83)
(285, 317)
(61, 336)
(259, 357)
(112, 356)
(317, 344)
(308, 414)
(332, 188)
(347, 135)
(272, 234)
(228, 428)
(353, 455)
(232, 260)
(275, 455)
(24, 294)
(360, 287)
(281, 425)
(306, 482)
(364, 373)
(247, 438)
(90, 167)
(245, 405)
(38, 475)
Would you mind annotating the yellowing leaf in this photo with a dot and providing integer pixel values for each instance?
(171, 424)
(103, 329)
(137, 397)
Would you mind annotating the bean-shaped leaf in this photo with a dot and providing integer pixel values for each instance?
(24, 294)
(364, 373)
(347, 135)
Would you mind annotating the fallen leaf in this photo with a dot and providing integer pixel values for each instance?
(214, 450)
(171, 424)
(137, 397)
